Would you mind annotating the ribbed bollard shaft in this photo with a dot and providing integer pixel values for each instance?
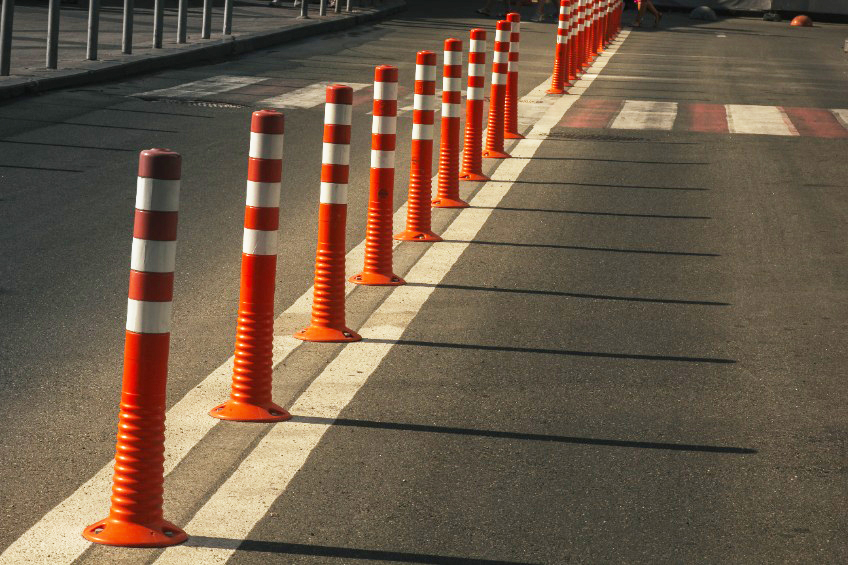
(500, 68)
(378, 229)
(250, 395)
(472, 155)
(511, 96)
(418, 226)
(135, 517)
(559, 78)
(328, 301)
(448, 188)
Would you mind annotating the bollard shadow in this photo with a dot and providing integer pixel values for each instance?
(284, 548)
(593, 159)
(586, 213)
(67, 145)
(563, 352)
(570, 294)
(426, 428)
(41, 169)
(586, 248)
(601, 185)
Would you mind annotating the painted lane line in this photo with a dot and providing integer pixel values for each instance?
(641, 114)
(56, 537)
(842, 116)
(247, 495)
(309, 96)
(201, 88)
(760, 120)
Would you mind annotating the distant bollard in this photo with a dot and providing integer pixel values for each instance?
(135, 517)
(801, 21)
(53, 10)
(418, 213)
(228, 17)
(511, 94)
(500, 66)
(472, 152)
(158, 23)
(182, 20)
(206, 22)
(328, 303)
(127, 27)
(447, 195)
(7, 14)
(93, 30)
(250, 395)
(559, 77)
(377, 270)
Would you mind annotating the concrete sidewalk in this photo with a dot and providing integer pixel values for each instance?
(255, 25)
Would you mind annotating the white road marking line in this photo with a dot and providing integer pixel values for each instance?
(309, 96)
(642, 114)
(56, 538)
(720, 35)
(842, 117)
(761, 120)
(204, 87)
(263, 476)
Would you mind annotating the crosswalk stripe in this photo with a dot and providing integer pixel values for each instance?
(842, 116)
(642, 114)
(815, 122)
(761, 120)
(307, 97)
(204, 87)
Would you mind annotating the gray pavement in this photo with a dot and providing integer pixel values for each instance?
(638, 359)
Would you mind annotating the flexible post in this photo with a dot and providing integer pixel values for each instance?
(418, 226)
(378, 230)
(127, 27)
(135, 517)
(511, 98)
(500, 67)
(472, 153)
(53, 10)
(328, 303)
(571, 42)
(560, 74)
(447, 195)
(250, 396)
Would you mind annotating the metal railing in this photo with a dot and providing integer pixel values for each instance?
(7, 12)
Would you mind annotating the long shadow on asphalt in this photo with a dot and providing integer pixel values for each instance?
(586, 248)
(339, 552)
(620, 161)
(522, 436)
(543, 351)
(571, 294)
(585, 213)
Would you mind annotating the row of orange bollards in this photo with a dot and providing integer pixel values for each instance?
(136, 517)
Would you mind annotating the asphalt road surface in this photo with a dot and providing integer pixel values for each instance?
(630, 349)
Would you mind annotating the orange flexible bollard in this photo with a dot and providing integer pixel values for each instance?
(472, 154)
(378, 231)
(328, 303)
(448, 180)
(250, 396)
(421, 169)
(135, 517)
(559, 78)
(500, 68)
(511, 98)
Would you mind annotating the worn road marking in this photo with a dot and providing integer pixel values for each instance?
(641, 114)
(202, 88)
(307, 97)
(761, 120)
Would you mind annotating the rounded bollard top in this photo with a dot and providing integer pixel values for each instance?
(425, 58)
(453, 44)
(513, 17)
(801, 21)
(386, 73)
(503, 25)
(478, 33)
(339, 94)
(162, 164)
(267, 121)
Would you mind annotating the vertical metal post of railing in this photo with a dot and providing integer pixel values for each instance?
(93, 29)
(322, 8)
(337, 7)
(182, 20)
(228, 17)
(206, 26)
(158, 22)
(304, 10)
(53, 34)
(347, 5)
(7, 13)
(127, 30)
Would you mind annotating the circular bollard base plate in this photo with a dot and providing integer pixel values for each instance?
(375, 279)
(327, 335)
(487, 154)
(244, 412)
(449, 203)
(473, 177)
(410, 235)
(510, 135)
(128, 534)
